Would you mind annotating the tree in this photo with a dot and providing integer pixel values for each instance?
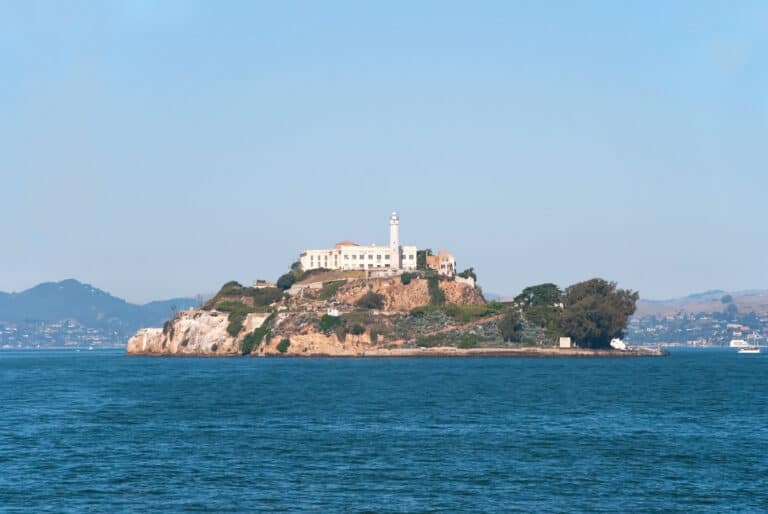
(421, 258)
(371, 300)
(283, 345)
(511, 326)
(406, 278)
(469, 273)
(595, 312)
(286, 281)
(726, 299)
(732, 310)
(542, 294)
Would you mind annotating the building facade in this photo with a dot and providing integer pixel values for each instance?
(347, 255)
(444, 263)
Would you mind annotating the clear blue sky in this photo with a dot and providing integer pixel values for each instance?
(157, 149)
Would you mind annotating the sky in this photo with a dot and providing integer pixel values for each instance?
(160, 149)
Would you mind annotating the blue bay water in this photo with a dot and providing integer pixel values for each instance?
(102, 432)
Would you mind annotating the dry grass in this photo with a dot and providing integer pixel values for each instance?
(327, 276)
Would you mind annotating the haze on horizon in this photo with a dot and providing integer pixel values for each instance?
(159, 149)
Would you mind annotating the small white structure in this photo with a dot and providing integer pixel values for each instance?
(565, 342)
(333, 312)
(618, 344)
(263, 284)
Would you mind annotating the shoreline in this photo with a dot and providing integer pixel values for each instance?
(522, 352)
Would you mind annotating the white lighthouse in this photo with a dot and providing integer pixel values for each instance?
(394, 240)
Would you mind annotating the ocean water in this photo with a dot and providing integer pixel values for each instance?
(102, 432)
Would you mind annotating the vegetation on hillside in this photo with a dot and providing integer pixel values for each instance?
(371, 300)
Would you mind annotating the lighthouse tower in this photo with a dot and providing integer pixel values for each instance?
(394, 240)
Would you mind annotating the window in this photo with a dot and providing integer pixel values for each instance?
(354, 257)
(411, 257)
(370, 257)
(362, 265)
(378, 257)
(362, 256)
(386, 257)
(386, 265)
(346, 257)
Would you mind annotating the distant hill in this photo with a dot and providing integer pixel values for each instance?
(755, 300)
(89, 306)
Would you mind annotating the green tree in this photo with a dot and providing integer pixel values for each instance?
(469, 273)
(732, 310)
(371, 300)
(511, 326)
(726, 299)
(406, 278)
(283, 345)
(286, 281)
(421, 258)
(542, 294)
(595, 312)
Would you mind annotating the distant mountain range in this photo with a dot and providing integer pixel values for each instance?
(753, 300)
(89, 306)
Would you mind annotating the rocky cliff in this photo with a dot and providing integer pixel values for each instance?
(320, 318)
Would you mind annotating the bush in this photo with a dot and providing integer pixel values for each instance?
(283, 345)
(511, 327)
(329, 323)
(436, 295)
(214, 347)
(469, 341)
(341, 333)
(231, 288)
(371, 300)
(329, 289)
(286, 281)
(264, 296)
(406, 278)
(357, 330)
(254, 339)
(236, 319)
(468, 273)
(469, 313)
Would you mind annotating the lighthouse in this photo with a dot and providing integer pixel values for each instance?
(394, 240)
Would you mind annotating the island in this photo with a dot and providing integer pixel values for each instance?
(390, 301)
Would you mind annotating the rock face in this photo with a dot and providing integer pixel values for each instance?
(204, 332)
(193, 332)
(399, 297)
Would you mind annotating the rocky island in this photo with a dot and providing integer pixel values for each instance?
(392, 300)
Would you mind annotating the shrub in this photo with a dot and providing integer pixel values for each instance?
(371, 300)
(264, 296)
(406, 278)
(357, 330)
(214, 347)
(469, 340)
(329, 323)
(254, 339)
(469, 313)
(511, 327)
(231, 288)
(468, 273)
(185, 342)
(341, 333)
(330, 288)
(283, 345)
(436, 295)
(236, 319)
(286, 281)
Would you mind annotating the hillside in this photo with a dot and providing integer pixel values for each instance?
(340, 316)
(91, 308)
(707, 302)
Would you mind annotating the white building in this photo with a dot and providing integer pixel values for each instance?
(347, 255)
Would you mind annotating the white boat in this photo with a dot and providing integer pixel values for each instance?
(750, 349)
(738, 343)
